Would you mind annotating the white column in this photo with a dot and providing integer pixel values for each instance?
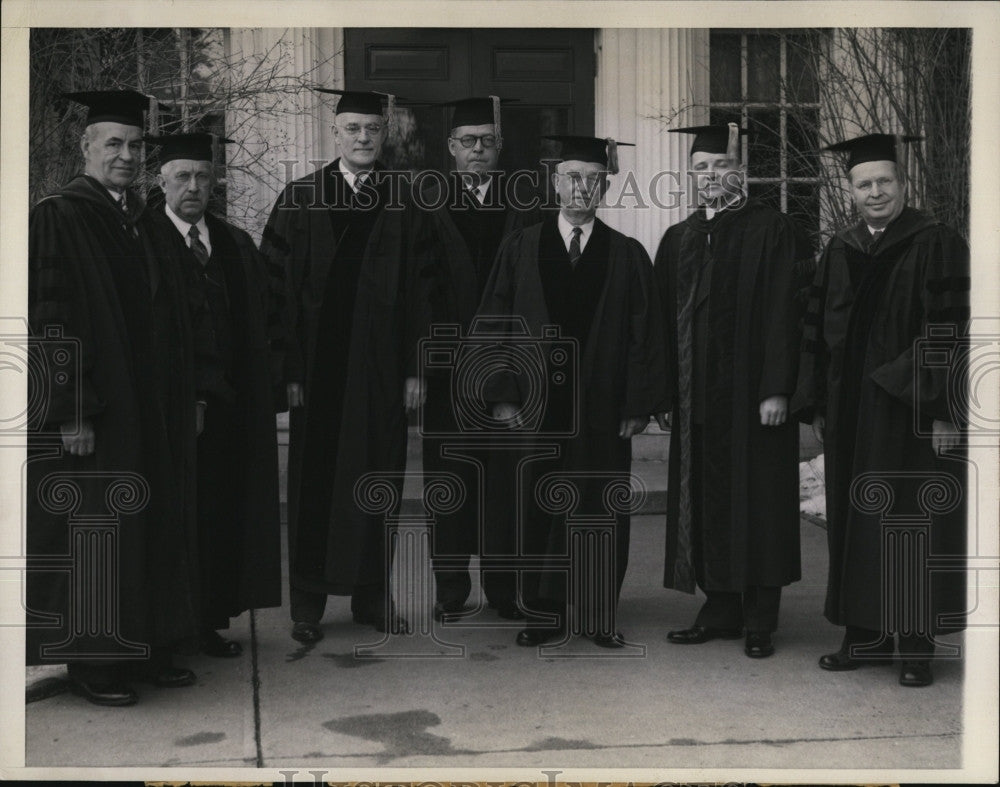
(283, 126)
(649, 80)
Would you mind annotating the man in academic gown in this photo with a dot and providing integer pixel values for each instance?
(729, 279)
(596, 286)
(343, 371)
(106, 284)
(890, 416)
(460, 230)
(238, 510)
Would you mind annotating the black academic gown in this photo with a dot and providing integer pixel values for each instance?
(864, 369)
(460, 237)
(730, 288)
(238, 508)
(112, 290)
(344, 328)
(609, 320)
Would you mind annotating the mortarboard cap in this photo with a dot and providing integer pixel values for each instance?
(476, 111)
(116, 106)
(592, 149)
(871, 147)
(197, 146)
(364, 102)
(723, 139)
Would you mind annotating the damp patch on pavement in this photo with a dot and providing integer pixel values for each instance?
(200, 738)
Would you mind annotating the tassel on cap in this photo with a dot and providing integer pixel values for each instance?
(612, 156)
(496, 116)
(153, 116)
(390, 107)
(215, 152)
(900, 156)
(733, 144)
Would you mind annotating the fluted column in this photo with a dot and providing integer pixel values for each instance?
(282, 126)
(645, 77)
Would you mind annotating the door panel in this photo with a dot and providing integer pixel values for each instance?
(549, 71)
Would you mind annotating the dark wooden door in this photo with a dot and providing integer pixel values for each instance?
(549, 71)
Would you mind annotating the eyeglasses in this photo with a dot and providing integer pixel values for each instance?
(582, 181)
(354, 129)
(470, 140)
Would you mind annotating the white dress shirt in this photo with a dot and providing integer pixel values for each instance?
(481, 190)
(351, 177)
(183, 227)
(566, 230)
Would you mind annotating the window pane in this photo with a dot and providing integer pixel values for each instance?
(768, 193)
(801, 58)
(215, 123)
(724, 71)
(720, 116)
(764, 158)
(161, 63)
(206, 57)
(803, 206)
(763, 68)
(803, 139)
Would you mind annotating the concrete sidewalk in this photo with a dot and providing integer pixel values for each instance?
(489, 703)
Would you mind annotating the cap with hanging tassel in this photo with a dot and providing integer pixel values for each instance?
(718, 139)
(594, 150)
(477, 111)
(874, 147)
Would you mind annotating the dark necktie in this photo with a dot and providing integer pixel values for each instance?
(126, 220)
(197, 247)
(574, 247)
(474, 197)
(875, 237)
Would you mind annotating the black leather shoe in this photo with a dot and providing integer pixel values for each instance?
(167, 677)
(916, 673)
(842, 661)
(615, 640)
(444, 609)
(214, 644)
(307, 633)
(112, 694)
(527, 638)
(510, 612)
(696, 635)
(758, 645)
